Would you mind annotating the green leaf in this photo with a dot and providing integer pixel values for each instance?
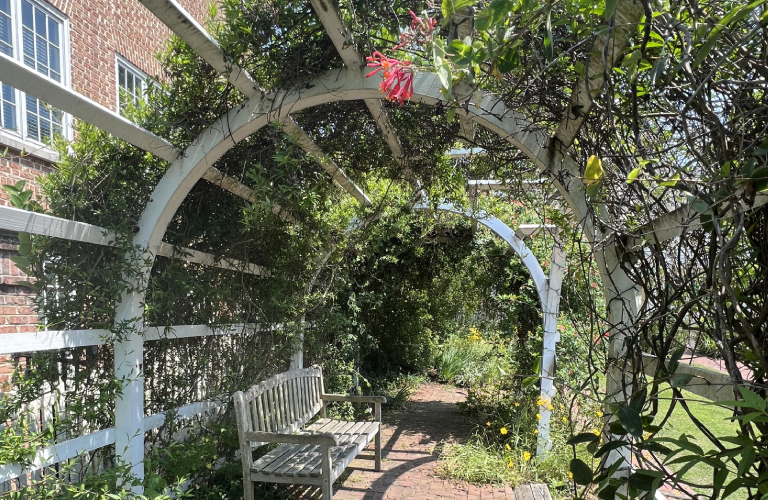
(632, 177)
(752, 399)
(748, 456)
(584, 437)
(508, 60)
(674, 360)
(610, 8)
(594, 171)
(671, 182)
(529, 381)
(549, 50)
(21, 262)
(705, 49)
(644, 480)
(731, 488)
(608, 493)
(630, 421)
(680, 380)
(610, 446)
(638, 400)
(582, 473)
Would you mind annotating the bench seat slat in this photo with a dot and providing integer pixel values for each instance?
(271, 456)
(344, 438)
(355, 442)
(276, 464)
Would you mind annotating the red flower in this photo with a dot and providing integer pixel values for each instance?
(398, 76)
(423, 26)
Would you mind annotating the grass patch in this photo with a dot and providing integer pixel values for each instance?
(715, 419)
(479, 462)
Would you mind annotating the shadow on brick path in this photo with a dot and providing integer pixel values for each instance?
(411, 439)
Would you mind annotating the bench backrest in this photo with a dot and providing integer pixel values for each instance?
(282, 403)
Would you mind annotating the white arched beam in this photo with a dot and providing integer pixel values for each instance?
(549, 291)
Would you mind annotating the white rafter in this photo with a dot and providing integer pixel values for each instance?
(20, 76)
(340, 36)
(606, 51)
(188, 29)
(175, 17)
(338, 175)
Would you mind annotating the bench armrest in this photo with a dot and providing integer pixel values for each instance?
(354, 399)
(274, 437)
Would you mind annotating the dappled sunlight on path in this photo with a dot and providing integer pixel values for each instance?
(411, 439)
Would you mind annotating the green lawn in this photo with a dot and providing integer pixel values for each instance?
(713, 417)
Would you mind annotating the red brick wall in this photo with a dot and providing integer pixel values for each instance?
(98, 30)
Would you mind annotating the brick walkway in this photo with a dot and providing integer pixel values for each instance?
(411, 440)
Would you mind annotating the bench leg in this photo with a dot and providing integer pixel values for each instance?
(377, 452)
(327, 486)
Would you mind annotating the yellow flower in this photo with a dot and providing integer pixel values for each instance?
(565, 420)
(526, 456)
(538, 416)
(646, 435)
(536, 431)
(599, 413)
(511, 463)
(503, 431)
(596, 432)
(517, 404)
(488, 424)
(570, 475)
(551, 407)
(541, 402)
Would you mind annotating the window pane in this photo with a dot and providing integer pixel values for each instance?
(9, 116)
(32, 130)
(53, 32)
(121, 76)
(5, 6)
(43, 111)
(8, 93)
(8, 110)
(6, 37)
(40, 19)
(54, 59)
(130, 83)
(31, 104)
(26, 14)
(42, 52)
(45, 129)
(29, 47)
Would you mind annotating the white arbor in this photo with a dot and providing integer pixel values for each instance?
(549, 154)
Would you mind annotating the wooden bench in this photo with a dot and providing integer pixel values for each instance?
(276, 410)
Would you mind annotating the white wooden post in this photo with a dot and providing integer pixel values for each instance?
(551, 338)
(297, 359)
(623, 297)
(129, 407)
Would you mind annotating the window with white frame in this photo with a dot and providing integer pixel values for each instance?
(131, 84)
(32, 33)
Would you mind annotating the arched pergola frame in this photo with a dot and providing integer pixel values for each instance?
(242, 121)
(547, 152)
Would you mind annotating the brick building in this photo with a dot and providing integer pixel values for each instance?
(94, 47)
